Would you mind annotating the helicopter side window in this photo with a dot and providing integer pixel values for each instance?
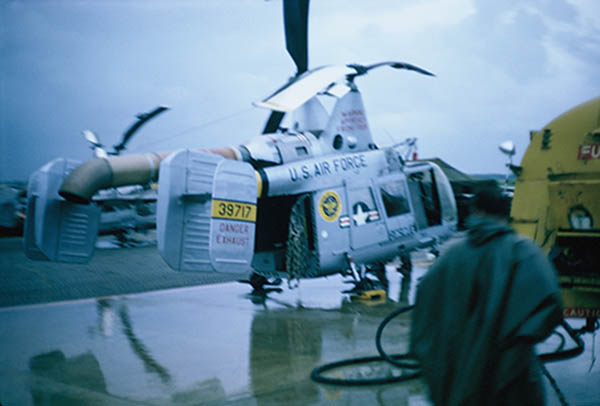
(394, 199)
(423, 190)
(301, 151)
(338, 142)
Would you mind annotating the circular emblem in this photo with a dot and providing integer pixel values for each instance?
(330, 206)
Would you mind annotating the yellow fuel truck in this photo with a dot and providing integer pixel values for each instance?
(557, 203)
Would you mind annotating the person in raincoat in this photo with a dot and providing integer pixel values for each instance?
(480, 309)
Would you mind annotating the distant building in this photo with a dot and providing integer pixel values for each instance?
(464, 187)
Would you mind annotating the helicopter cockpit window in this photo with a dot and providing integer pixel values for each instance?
(447, 200)
(394, 199)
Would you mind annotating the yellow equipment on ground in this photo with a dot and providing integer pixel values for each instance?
(557, 203)
(370, 295)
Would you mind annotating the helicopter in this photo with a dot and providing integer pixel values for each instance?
(315, 199)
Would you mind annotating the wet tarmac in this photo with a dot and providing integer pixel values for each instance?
(216, 345)
(111, 271)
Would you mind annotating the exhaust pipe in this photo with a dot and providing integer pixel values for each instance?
(103, 173)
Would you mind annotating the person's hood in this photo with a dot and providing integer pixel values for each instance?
(481, 229)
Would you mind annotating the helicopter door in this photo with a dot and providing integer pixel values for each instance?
(332, 223)
(393, 192)
(364, 219)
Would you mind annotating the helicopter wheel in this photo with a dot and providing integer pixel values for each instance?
(378, 270)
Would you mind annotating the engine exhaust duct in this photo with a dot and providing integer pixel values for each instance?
(103, 173)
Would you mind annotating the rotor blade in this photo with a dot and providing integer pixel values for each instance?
(362, 70)
(404, 65)
(142, 119)
(273, 122)
(298, 90)
(295, 19)
(91, 137)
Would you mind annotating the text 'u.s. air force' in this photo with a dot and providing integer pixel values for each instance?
(327, 167)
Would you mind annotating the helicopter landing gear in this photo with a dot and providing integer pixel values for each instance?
(406, 271)
(378, 270)
(258, 283)
(406, 268)
(364, 285)
(366, 288)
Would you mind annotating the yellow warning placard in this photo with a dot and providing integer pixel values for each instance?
(232, 210)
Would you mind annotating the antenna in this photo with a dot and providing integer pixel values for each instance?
(411, 148)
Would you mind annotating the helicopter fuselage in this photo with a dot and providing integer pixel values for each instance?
(368, 205)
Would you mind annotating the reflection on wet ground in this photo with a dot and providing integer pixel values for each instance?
(216, 345)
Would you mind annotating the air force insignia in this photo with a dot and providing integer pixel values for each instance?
(330, 206)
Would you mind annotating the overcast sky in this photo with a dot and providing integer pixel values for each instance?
(503, 68)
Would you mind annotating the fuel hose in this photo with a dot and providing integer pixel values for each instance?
(408, 362)
(399, 360)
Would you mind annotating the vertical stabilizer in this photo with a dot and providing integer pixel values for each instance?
(311, 116)
(348, 129)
